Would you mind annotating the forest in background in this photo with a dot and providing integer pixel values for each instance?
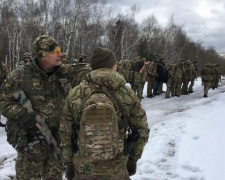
(81, 25)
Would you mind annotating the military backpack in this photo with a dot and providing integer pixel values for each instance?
(99, 135)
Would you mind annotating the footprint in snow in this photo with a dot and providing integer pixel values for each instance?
(195, 137)
(163, 160)
(172, 143)
(172, 175)
(190, 168)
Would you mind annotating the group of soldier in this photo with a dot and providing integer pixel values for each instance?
(46, 91)
(57, 88)
(179, 77)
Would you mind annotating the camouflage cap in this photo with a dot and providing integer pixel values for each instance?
(137, 58)
(43, 45)
(27, 55)
(102, 58)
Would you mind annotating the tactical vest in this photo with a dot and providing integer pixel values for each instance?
(25, 139)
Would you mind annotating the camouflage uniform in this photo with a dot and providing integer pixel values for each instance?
(207, 78)
(65, 58)
(47, 91)
(152, 74)
(170, 80)
(189, 74)
(77, 72)
(217, 75)
(184, 78)
(115, 168)
(26, 58)
(193, 77)
(178, 71)
(136, 83)
(124, 68)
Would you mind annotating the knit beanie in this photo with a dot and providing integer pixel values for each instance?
(43, 45)
(102, 58)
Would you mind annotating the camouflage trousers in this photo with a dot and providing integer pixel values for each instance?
(190, 88)
(216, 83)
(184, 88)
(168, 88)
(122, 175)
(207, 86)
(160, 88)
(39, 164)
(137, 90)
(176, 86)
(151, 82)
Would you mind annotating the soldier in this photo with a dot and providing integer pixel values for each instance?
(189, 74)
(3, 76)
(65, 58)
(184, 79)
(136, 83)
(193, 77)
(207, 78)
(196, 68)
(44, 81)
(217, 78)
(160, 69)
(152, 74)
(170, 80)
(78, 71)
(178, 71)
(124, 68)
(26, 58)
(102, 166)
(83, 58)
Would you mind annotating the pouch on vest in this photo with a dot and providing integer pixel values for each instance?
(16, 135)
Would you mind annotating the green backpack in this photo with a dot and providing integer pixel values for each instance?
(100, 135)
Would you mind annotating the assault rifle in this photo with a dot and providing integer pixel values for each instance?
(26, 103)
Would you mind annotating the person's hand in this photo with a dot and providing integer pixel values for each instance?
(131, 167)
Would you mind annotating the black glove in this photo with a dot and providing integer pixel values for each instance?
(26, 120)
(131, 167)
(70, 173)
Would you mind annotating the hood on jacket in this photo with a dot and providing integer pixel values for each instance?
(106, 77)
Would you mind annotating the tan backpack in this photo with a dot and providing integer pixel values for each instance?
(99, 135)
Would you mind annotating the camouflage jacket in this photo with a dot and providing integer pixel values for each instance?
(194, 72)
(137, 78)
(124, 68)
(46, 91)
(207, 73)
(189, 72)
(129, 104)
(151, 70)
(178, 71)
(77, 72)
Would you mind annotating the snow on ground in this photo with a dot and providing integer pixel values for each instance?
(186, 140)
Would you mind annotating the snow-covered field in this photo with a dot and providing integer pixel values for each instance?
(186, 140)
